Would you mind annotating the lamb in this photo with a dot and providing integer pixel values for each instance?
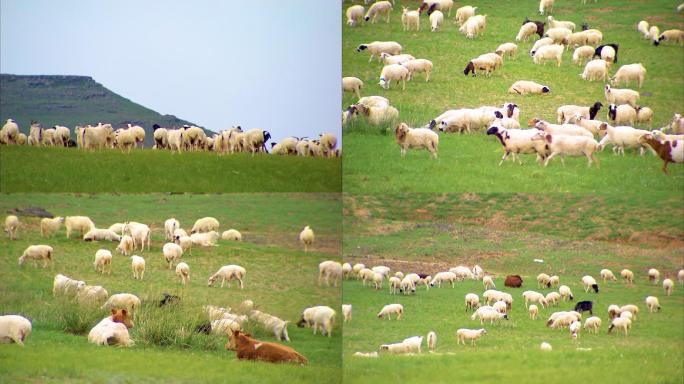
(669, 151)
(565, 292)
(595, 70)
(347, 312)
(431, 340)
(390, 309)
(393, 72)
(306, 237)
(553, 298)
(354, 15)
(112, 330)
(464, 13)
(526, 30)
(668, 285)
(644, 115)
(474, 26)
(205, 224)
(558, 35)
(620, 323)
(14, 329)
(469, 334)
(82, 224)
(622, 136)
(642, 27)
(172, 251)
(138, 267)
(352, 84)
(394, 285)
(565, 112)
(103, 258)
(377, 47)
(535, 297)
(545, 6)
(481, 64)
(534, 311)
(126, 245)
(329, 269)
(589, 283)
(127, 301)
(524, 87)
(228, 272)
(629, 72)
(652, 304)
(436, 20)
(37, 252)
(621, 114)
(97, 234)
(410, 19)
(418, 65)
(472, 301)
(676, 35)
(66, 286)
(11, 226)
(207, 239)
(607, 274)
(379, 8)
(516, 141)
(416, 138)
(621, 96)
(569, 146)
(183, 272)
(627, 275)
(170, 227)
(488, 282)
(319, 318)
(540, 43)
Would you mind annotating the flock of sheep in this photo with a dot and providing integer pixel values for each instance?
(185, 138)
(495, 304)
(577, 132)
(131, 238)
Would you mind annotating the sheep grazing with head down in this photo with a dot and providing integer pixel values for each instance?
(354, 15)
(11, 226)
(228, 273)
(379, 8)
(526, 30)
(37, 252)
(674, 35)
(395, 72)
(480, 64)
(416, 138)
(474, 26)
(464, 13)
(545, 6)
(436, 20)
(589, 283)
(377, 47)
(14, 329)
(629, 72)
(595, 70)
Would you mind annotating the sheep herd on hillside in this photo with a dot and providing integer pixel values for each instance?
(577, 131)
(495, 305)
(185, 138)
(133, 237)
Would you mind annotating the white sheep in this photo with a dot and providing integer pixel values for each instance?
(592, 324)
(629, 72)
(535, 297)
(607, 274)
(567, 112)
(63, 285)
(543, 280)
(138, 267)
(92, 295)
(436, 20)
(589, 283)
(524, 87)
(205, 239)
(48, 226)
(394, 285)
(481, 64)
(527, 30)
(416, 138)
(595, 70)
(347, 270)
(320, 318)
(140, 233)
(183, 272)
(558, 24)
(347, 312)
(354, 15)
(328, 142)
(396, 348)
(569, 146)
(654, 33)
(431, 340)
(464, 334)
(11, 226)
(627, 275)
(540, 43)
(558, 35)
(205, 224)
(546, 347)
(375, 115)
(534, 311)
(644, 115)
(418, 66)
(232, 235)
(509, 49)
(474, 26)
(492, 296)
(9, 132)
(488, 282)
(97, 137)
(500, 306)
(554, 281)
(631, 308)
(565, 292)
(377, 47)
(621, 96)
(395, 72)
(652, 304)
(668, 285)
(489, 315)
(126, 245)
(464, 13)
(553, 298)
(642, 27)
(127, 301)
(112, 330)
(390, 309)
(271, 323)
(653, 275)
(14, 328)
(560, 129)
(81, 224)
(329, 269)
(472, 301)
(675, 35)
(37, 252)
(545, 6)
(172, 252)
(410, 19)
(414, 343)
(99, 234)
(379, 8)
(388, 58)
(517, 141)
(307, 237)
(103, 258)
(228, 273)
(586, 52)
(575, 328)
(170, 227)
(443, 276)
(352, 84)
(620, 323)
(622, 137)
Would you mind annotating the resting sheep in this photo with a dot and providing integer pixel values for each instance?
(524, 87)
(97, 234)
(113, 330)
(63, 285)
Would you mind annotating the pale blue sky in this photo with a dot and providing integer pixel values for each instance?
(269, 64)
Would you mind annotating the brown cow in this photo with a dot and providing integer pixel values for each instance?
(513, 281)
(252, 349)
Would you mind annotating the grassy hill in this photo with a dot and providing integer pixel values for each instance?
(281, 279)
(71, 101)
(469, 162)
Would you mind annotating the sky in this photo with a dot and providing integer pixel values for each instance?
(274, 65)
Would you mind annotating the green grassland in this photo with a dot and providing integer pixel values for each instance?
(29, 169)
(573, 235)
(281, 279)
(469, 162)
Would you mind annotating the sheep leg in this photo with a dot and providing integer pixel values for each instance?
(241, 284)
(506, 153)
(403, 83)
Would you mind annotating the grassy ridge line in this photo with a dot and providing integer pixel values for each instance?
(468, 163)
(277, 268)
(24, 169)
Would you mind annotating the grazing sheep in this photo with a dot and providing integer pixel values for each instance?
(205, 224)
(675, 35)
(560, 24)
(347, 312)
(37, 252)
(569, 146)
(526, 30)
(306, 237)
(103, 258)
(627, 275)
(433, 6)
(535, 297)
(329, 269)
(607, 274)
(585, 52)
(389, 309)
(464, 13)
(644, 115)
(489, 315)
(614, 311)
(474, 26)
(545, 6)
(352, 84)
(11, 226)
(377, 47)
(436, 20)
(140, 233)
(388, 59)
(642, 27)
(652, 304)
(561, 319)
(556, 129)
(271, 323)
(654, 33)
(469, 334)
(540, 43)
(443, 276)
(629, 72)
(113, 330)
(620, 323)
(394, 285)
(416, 138)
(127, 301)
(554, 280)
(206, 239)
(500, 306)
(92, 295)
(565, 293)
(589, 283)
(48, 226)
(653, 275)
(621, 96)
(183, 272)
(524, 87)
(232, 235)
(417, 66)
(126, 245)
(170, 227)
(65, 286)
(488, 282)
(14, 329)
(595, 70)
(534, 311)
(553, 298)
(320, 318)
(172, 251)
(543, 280)
(592, 323)
(668, 285)
(354, 15)
(138, 267)
(375, 115)
(558, 35)
(472, 301)
(379, 8)
(393, 72)
(228, 273)
(481, 64)
(82, 224)
(97, 234)
(410, 19)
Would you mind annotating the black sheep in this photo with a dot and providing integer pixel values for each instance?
(583, 306)
(594, 109)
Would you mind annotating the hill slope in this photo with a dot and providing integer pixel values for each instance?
(71, 101)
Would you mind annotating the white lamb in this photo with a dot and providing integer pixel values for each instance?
(565, 293)
(414, 343)
(535, 297)
(14, 328)
(272, 323)
(228, 273)
(388, 59)
(172, 252)
(103, 258)
(390, 309)
(507, 49)
(307, 237)
(642, 27)
(534, 311)
(558, 35)
(416, 138)
(410, 19)
(517, 141)
(92, 295)
(553, 298)
(347, 312)
(621, 96)
(488, 282)
(472, 301)
(138, 267)
(489, 315)
(170, 227)
(540, 43)
(653, 275)
(183, 272)
(394, 285)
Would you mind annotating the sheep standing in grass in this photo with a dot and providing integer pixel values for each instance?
(621, 96)
(140, 234)
(620, 323)
(489, 315)
(271, 323)
(327, 270)
(172, 252)
(37, 252)
(507, 49)
(82, 224)
(595, 70)
(103, 259)
(668, 285)
(642, 27)
(394, 285)
(378, 47)
(320, 318)
(126, 245)
(9, 132)
(558, 35)
(416, 138)
(65, 286)
(469, 334)
(379, 8)
(354, 15)
(569, 146)
(565, 292)
(464, 13)
(488, 282)
(607, 274)
(417, 66)
(228, 273)
(627, 275)
(592, 324)
(170, 227)
(11, 226)
(566, 112)
(352, 84)
(653, 275)
(675, 35)
(585, 52)
(347, 312)
(14, 328)
(395, 72)
(205, 224)
(480, 64)
(534, 311)
(629, 72)
(306, 237)
(589, 283)
(183, 272)
(474, 26)
(49, 227)
(644, 115)
(410, 19)
(431, 340)
(390, 309)
(472, 301)
(138, 267)
(527, 30)
(652, 304)
(553, 298)
(436, 20)
(540, 43)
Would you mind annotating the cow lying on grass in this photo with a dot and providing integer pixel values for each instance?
(252, 349)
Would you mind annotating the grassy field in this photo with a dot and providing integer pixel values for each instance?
(281, 279)
(504, 233)
(469, 162)
(28, 169)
